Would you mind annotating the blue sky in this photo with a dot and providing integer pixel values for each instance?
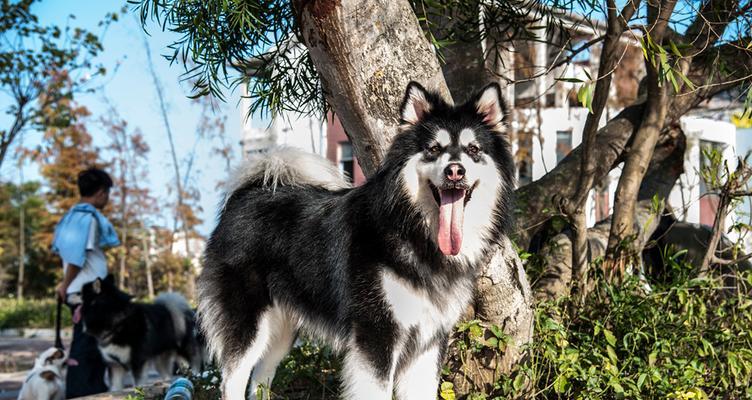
(129, 87)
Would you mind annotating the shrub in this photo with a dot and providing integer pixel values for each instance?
(31, 314)
(690, 340)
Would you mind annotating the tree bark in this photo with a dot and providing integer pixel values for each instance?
(365, 53)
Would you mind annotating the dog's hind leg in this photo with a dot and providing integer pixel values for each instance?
(139, 372)
(238, 361)
(164, 364)
(282, 335)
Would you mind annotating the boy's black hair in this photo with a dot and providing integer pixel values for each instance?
(91, 180)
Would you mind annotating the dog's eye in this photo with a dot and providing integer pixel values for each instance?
(435, 149)
(473, 150)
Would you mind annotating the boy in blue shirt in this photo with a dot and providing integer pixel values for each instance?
(80, 237)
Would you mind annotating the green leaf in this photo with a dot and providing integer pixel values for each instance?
(570, 80)
(674, 49)
(447, 391)
(612, 355)
(519, 382)
(496, 331)
(610, 338)
(641, 380)
(561, 384)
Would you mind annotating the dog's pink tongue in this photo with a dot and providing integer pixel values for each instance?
(77, 315)
(451, 215)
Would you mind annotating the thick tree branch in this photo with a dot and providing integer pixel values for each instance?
(641, 151)
(575, 207)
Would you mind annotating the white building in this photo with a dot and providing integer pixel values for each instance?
(194, 250)
(287, 129)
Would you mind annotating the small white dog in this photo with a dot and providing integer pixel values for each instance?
(46, 381)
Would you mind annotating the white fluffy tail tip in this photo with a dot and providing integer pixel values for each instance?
(289, 166)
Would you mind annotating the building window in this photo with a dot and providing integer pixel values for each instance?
(346, 162)
(563, 144)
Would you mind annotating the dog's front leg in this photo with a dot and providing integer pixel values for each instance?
(364, 379)
(117, 375)
(419, 379)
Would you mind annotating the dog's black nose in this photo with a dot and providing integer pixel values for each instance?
(454, 171)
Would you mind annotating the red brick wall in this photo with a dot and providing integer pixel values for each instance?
(335, 134)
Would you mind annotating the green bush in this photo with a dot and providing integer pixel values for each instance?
(31, 314)
(690, 340)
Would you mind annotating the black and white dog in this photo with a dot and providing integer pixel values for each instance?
(381, 272)
(131, 334)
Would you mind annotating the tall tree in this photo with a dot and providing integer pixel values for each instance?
(33, 56)
(40, 267)
(132, 201)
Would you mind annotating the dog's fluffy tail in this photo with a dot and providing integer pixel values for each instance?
(288, 166)
(178, 307)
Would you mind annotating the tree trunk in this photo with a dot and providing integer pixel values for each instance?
(124, 221)
(147, 262)
(21, 246)
(180, 195)
(575, 206)
(365, 53)
(641, 151)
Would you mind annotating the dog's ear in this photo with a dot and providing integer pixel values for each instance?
(491, 107)
(97, 286)
(48, 375)
(58, 354)
(415, 105)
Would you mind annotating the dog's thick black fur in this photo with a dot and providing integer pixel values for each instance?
(359, 267)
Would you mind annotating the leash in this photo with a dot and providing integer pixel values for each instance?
(58, 338)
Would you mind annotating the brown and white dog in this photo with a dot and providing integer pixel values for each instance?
(46, 381)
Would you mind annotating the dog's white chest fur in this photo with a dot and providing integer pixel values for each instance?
(113, 353)
(413, 308)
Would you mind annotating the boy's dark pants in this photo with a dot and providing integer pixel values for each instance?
(87, 377)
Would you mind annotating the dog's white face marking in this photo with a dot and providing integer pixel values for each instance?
(443, 137)
(467, 136)
(423, 175)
